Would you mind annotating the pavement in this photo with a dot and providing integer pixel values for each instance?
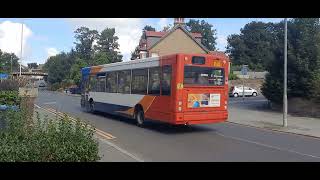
(227, 142)
(255, 112)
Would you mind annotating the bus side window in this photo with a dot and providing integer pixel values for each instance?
(139, 79)
(124, 79)
(154, 81)
(166, 80)
(111, 84)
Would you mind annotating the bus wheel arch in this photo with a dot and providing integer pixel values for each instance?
(138, 115)
(91, 105)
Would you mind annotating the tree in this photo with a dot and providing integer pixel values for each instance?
(206, 30)
(254, 45)
(84, 42)
(148, 28)
(58, 67)
(33, 65)
(135, 53)
(303, 61)
(5, 62)
(167, 28)
(75, 71)
(107, 46)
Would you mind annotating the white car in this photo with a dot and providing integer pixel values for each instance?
(237, 91)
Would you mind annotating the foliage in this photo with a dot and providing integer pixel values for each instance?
(58, 67)
(233, 76)
(303, 61)
(208, 33)
(149, 28)
(92, 48)
(254, 46)
(167, 28)
(107, 46)
(84, 42)
(33, 65)
(5, 62)
(47, 140)
(10, 98)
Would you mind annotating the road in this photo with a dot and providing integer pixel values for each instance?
(212, 142)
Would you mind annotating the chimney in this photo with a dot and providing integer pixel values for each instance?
(178, 21)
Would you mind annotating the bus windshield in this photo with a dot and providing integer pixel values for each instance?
(203, 76)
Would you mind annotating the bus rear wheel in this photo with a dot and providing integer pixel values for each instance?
(89, 106)
(139, 116)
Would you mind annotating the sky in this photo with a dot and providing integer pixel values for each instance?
(45, 37)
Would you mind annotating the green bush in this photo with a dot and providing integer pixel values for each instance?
(233, 76)
(46, 140)
(9, 98)
(55, 86)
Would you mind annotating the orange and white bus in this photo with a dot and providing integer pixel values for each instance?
(176, 89)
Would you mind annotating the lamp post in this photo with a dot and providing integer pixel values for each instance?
(21, 46)
(285, 101)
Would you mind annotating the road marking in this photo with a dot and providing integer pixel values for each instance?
(269, 146)
(47, 103)
(122, 150)
(62, 115)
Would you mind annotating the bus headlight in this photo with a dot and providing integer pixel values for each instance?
(180, 103)
(179, 108)
(225, 107)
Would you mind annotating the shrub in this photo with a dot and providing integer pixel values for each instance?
(46, 140)
(233, 76)
(10, 98)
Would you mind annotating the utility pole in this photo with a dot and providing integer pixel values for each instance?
(21, 46)
(285, 100)
(11, 64)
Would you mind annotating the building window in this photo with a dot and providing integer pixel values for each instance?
(143, 55)
(124, 80)
(154, 81)
(166, 80)
(154, 54)
(111, 86)
(139, 81)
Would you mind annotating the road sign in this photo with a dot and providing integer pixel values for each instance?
(244, 70)
(3, 76)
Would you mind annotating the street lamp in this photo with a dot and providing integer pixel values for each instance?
(21, 46)
(285, 101)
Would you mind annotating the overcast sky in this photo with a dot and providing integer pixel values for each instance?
(46, 37)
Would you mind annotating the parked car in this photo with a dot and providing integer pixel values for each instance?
(237, 91)
(42, 85)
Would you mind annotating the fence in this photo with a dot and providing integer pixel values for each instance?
(251, 75)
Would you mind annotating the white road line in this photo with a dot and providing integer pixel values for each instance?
(122, 150)
(269, 146)
(50, 103)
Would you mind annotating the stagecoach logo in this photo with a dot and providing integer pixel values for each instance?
(179, 86)
(203, 100)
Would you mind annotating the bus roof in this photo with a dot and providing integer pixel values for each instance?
(132, 64)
